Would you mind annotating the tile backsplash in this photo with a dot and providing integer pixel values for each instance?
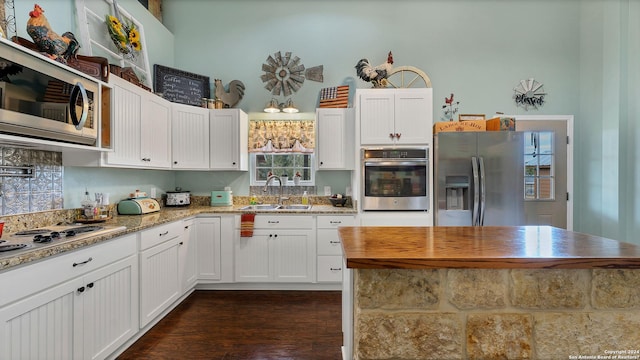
(43, 191)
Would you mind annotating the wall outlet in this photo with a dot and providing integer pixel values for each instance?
(327, 191)
(153, 193)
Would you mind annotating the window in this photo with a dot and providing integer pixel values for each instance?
(539, 174)
(263, 164)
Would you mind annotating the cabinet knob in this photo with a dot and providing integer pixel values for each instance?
(391, 135)
(181, 243)
(175, 162)
(335, 269)
(321, 162)
(90, 285)
(81, 289)
(233, 163)
(334, 242)
(398, 136)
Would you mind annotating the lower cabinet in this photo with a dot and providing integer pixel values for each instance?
(187, 253)
(330, 261)
(282, 249)
(160, 280)
(88, 310)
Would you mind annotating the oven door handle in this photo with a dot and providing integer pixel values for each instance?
(395, 163)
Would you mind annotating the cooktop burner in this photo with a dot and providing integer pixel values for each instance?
(10, 247)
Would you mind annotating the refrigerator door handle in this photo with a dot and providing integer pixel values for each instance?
(483, 200)
(476, 191)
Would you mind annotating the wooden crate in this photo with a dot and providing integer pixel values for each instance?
(467, 125)
(501, 124)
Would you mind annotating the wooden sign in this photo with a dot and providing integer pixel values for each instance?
(180, 86)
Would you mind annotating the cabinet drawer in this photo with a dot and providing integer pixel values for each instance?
(35, 277)
(333, 221)
(283, 222)
(329, 242)
(159, 234)
(329, 268)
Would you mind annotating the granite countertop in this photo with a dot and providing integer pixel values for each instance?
(518, 247)
(135, 223)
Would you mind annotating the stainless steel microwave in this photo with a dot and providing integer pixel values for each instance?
(43, 99)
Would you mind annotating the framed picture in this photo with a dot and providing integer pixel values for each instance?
(464, 117)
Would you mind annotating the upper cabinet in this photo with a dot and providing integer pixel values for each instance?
(141, 127)
(335, 132)
(190, 137)
(228, 140)
(395, 116)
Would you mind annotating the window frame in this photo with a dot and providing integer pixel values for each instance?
(252, 166)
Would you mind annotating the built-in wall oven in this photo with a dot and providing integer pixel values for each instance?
(395, 178)
(40, 98)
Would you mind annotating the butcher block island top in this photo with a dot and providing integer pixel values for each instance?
(487, 247)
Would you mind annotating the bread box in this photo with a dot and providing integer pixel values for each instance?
(221, 198)
(138, 206)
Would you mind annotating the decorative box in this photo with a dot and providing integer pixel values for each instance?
(501, 124)
(465, 125)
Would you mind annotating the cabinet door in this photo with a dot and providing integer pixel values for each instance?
(41, 326)
(413, 116)
(209, 249)
(376, 112)
(188, 256)
(126, 117)
(335, 149)
(155, 143)
(253, 257)
(159, 279)
(293, 256)
(228, 140)
(110, 308)
(189, 137)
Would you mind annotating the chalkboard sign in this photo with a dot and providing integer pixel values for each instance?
(180, 86)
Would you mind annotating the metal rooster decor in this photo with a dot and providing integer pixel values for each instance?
(231, 97)
(452, 107)
(59, 48)
(376, 75)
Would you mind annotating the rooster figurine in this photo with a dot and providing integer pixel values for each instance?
(60, 48)
(235, 94)
(376, 75)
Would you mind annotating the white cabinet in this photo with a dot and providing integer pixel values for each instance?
(160, 283)
(190, 137)
(209, 249)
(141, 128)
(395, 116)
(335, 146)
(282, 249)
(228, 140)
(88, 309)
(329, 247)
(187, 254)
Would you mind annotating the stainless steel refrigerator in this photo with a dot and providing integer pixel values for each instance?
(479, 178)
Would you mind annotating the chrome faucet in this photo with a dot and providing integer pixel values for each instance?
(280, 198)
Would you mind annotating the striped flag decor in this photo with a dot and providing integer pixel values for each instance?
(334, 97)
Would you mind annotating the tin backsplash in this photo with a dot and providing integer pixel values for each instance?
(41, 192)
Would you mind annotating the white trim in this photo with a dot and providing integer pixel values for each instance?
(569, 120)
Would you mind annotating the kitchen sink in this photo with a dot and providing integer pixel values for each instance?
(296, 207)
(261, 207)
(269, 207)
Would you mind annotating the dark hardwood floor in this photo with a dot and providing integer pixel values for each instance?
(247, 325)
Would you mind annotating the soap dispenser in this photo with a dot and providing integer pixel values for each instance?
(305, 198)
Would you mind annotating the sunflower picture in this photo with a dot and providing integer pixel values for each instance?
(125, 36)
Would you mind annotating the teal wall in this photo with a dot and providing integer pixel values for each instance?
(584, 52)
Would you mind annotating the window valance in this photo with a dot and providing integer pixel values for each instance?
(282, 136)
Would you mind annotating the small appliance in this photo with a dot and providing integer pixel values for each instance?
(221, 198)
(138, 206)
(178, 197)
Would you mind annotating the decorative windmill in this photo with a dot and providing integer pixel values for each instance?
(284, 74)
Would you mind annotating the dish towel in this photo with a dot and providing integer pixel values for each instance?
(246, 224)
